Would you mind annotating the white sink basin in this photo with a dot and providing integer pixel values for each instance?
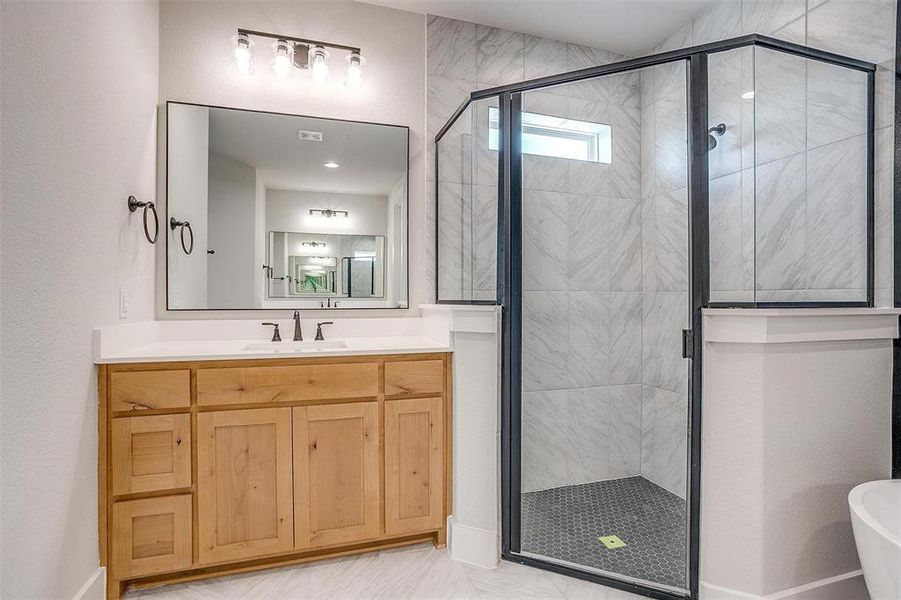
(294, 347)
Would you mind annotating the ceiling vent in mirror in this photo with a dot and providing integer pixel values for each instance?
(309, 136)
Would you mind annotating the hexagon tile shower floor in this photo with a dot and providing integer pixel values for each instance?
(566, 523)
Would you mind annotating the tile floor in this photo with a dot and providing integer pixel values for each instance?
(412, 573)
(566, 522)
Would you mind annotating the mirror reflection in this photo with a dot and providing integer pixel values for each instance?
(309, 265)
(286, 211)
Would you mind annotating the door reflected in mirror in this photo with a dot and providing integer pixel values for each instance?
(287, 211)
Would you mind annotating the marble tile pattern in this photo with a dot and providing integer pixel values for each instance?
(731, 235)
(664, 438)
(664, 238)
(799, 107)
(780, 107)
(557, 426)
(500, 56)
(836, 103)
(837, 214)
(581, 339)
(408, 573)
(664, 316)
(782, 224)
(489, 57)
(605, 246)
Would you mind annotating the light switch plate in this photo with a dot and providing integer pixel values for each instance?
(123, 303)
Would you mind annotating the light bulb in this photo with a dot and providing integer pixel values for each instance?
(353, 78)
(243, 54)
(284, 55)
(318, 64)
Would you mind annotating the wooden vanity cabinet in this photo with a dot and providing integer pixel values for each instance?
(244, 496)
(213, 467)
(337, 474)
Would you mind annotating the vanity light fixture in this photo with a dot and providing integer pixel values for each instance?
(298, 53)
(353, 78)
(284, 57)
(319, 63)
(243, 53)
(329, 213)
(331, 165)
(313, 244)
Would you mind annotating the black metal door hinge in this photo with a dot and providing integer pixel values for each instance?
(688, 343)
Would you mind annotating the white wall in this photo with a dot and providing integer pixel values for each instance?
(795, 414)
(189, 189)
(195, 67)
(396, 255)
(79, 85)
(289, 210)
(231, 271)
(259, 242)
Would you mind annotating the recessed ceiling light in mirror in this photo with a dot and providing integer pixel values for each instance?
(331, 165)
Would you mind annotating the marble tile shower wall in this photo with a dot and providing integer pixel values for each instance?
(664, 274)
(581, 244)
(606, 245)
(809, 121)
(582, 336)
(809, 149)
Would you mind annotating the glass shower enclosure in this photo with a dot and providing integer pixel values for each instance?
(604, 209)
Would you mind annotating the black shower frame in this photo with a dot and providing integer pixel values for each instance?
(509, 271)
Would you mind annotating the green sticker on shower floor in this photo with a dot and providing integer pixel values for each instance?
(611, 541)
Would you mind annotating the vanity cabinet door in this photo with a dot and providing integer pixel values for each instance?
(245, 504)
(414, 464)
(151, 453)
(336, 474)
(152, 535)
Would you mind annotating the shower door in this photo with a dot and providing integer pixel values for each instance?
(599, 308)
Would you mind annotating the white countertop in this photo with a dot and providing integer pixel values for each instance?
(167, 341)
(235, 349)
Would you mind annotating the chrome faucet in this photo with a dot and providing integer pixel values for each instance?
(298, 334)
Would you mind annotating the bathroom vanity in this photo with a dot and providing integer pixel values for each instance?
(209, 467)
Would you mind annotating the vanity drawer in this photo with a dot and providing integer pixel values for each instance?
(414, 377)
(254, 385)
(151, 453)
(148, 390)
(152, 535)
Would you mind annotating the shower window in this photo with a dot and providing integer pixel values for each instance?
(558, 137)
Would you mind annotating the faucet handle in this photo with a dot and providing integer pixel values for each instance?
(276, 337)
(319, 337)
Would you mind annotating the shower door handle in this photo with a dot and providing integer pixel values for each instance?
(687, 343)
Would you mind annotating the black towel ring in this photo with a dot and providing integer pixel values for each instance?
(184, 225)
(134, 204)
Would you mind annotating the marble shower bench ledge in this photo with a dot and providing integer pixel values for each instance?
(784, 325)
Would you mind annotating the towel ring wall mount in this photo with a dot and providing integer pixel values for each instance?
(184, 225)
(149, 207)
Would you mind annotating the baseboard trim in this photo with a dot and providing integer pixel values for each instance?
(94, 588)
(849, 586)
(472, 545)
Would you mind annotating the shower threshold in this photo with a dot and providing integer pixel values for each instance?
(565, 524)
